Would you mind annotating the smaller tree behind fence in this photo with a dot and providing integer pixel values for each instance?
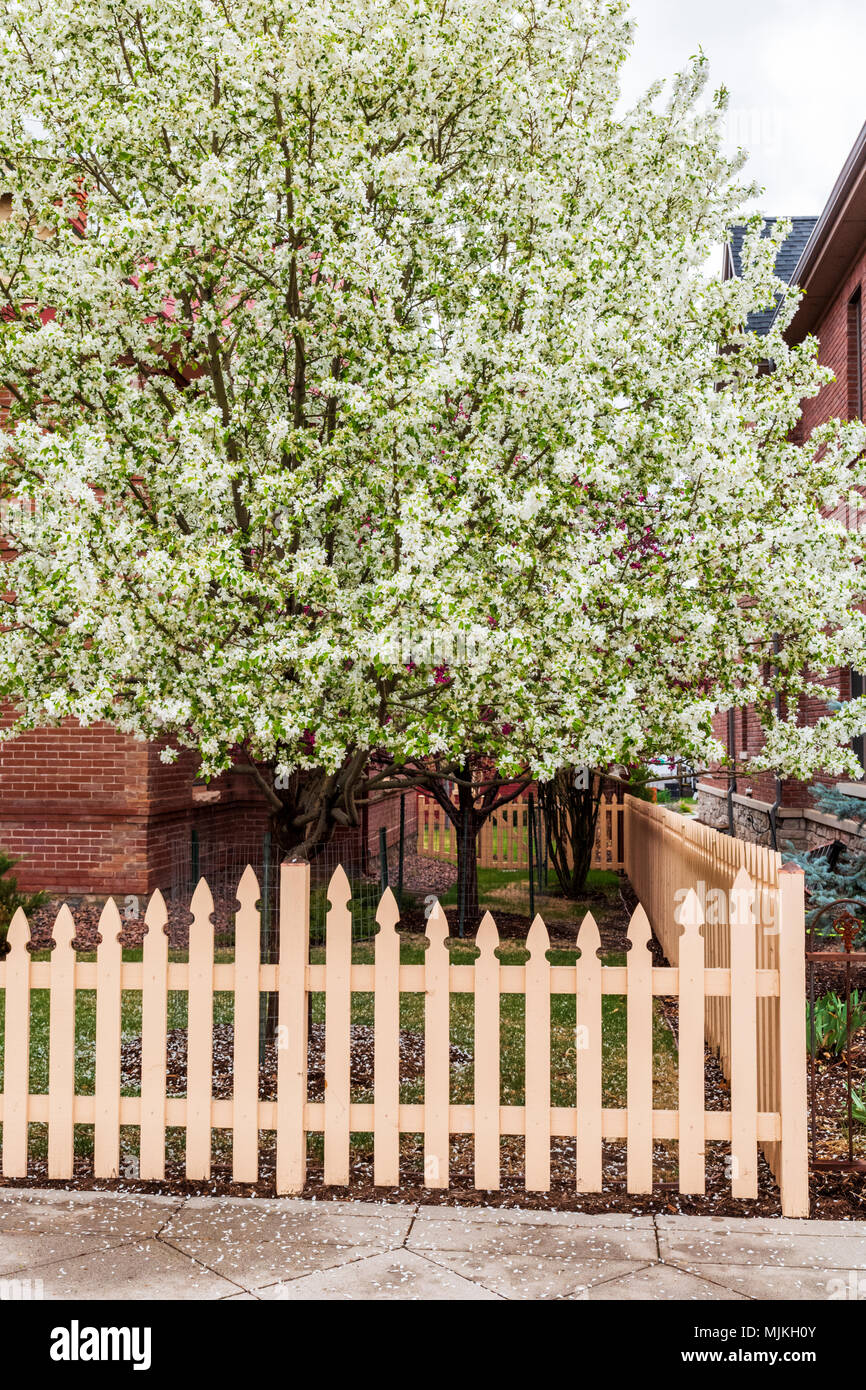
(504, 840)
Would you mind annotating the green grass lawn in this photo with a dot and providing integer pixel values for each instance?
(507, 890)
(512, 1031)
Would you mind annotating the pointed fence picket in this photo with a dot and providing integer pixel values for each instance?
(589, 1058)
(386, 1028)
(61, 1049)
(745, 996)
(16, 1049)
(639, 1056)
(437, 1052)
(537, 1068)
(486, 1118)
(292, 1041)
(245, 1122)
(106, 1130)
(690, 1048)
(154, 1029)
(338, 1018)
(199, 1047)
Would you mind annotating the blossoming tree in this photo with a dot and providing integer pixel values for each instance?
(369, 394)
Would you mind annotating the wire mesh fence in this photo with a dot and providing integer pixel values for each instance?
(370, 869)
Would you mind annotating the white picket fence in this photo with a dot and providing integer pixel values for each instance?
(739, 986)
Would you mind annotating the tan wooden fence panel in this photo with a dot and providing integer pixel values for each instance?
(767, 1105)
(754, 927)
(503, 841)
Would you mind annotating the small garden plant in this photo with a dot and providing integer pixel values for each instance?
(828, 1021)
(11, 897)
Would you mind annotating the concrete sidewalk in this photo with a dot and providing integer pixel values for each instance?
(94, 1245)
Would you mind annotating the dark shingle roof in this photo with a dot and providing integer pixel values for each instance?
(786, 261)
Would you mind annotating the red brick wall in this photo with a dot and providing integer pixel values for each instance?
(836, 399)
(92, 811)
(74, 803)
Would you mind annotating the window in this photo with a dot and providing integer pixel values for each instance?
(855, 357)
(858, 688)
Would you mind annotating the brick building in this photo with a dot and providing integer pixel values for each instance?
(92, 812)
(826, 257)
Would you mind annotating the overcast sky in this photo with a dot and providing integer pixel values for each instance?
(794, 69)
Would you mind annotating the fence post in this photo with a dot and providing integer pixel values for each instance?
(294, 939)
(794, 1159)
(530, 832)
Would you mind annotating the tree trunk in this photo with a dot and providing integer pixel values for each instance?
(467, 827)
(572, 817)
(477, 799)
(311, 807)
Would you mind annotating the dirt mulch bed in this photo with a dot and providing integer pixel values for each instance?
(362, 1038)
(833, 1196)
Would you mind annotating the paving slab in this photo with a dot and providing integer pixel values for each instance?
(557, 1241)
(762, 1248)
(138, 1270)
(660, 1282)
(528, 1277)
(785, 1282)
(752, 1225)
(399, 1275)
(257, 1242)
(113, 1215)
(20, 1251)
